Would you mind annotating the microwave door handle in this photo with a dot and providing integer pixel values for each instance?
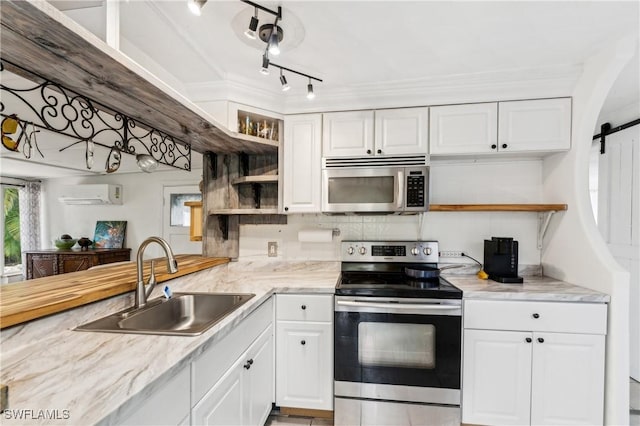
(422, 306)
(400, 201)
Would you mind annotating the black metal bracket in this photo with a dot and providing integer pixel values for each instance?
(277, 14)
(257, 192)
(223, 224)
(604, 129)
(244, 164)
(58, 109)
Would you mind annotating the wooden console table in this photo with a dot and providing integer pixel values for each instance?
(44, 263)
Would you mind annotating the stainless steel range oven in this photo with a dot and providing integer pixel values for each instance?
(397, 337)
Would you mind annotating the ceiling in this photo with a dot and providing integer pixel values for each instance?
(370, 50)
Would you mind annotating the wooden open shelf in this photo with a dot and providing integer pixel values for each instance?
(255, 179)
(497, 207)
(243, 211)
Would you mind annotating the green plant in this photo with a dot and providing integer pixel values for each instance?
(12, 249)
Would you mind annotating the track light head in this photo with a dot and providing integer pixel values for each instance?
(310, 94)
(272, 35)
(265, 65)
(283, 81)
(195, 6)
(253, 25)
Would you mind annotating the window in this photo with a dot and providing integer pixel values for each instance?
(12, 251)
(181, 214)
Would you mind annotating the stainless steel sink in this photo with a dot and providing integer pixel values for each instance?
(185, 314)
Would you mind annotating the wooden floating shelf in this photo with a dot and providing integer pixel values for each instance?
(497, 207)
(243, 211)
(255, 179)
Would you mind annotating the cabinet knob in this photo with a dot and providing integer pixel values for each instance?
(368, 151)
(536, 316)
(303, 307)
(540, 340)
(247, 365)
(504, 146)
(286, 209)
(303, 342)
(379, 151)
(528, 339)
(494, 146)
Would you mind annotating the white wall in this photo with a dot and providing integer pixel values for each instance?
(142, 206)
(462, 181)
(574, 250)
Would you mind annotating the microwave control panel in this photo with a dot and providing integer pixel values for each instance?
(415, 191)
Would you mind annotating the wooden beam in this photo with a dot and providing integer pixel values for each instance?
(497, 207)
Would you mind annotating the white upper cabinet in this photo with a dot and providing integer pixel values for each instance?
(301, 165)
(347, 134)
(401, 131)
(464, 129)
(537, 125)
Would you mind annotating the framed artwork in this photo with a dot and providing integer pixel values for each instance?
(110, 234)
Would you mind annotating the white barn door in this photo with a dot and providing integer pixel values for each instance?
(619, 218)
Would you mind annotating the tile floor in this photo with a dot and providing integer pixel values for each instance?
(276, 419)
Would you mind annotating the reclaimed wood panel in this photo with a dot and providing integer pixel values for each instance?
(497, 207)
(39, 38)
(27, 300)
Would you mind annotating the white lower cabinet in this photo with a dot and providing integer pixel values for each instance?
(304, 351)
(546, 374)
(242, 396)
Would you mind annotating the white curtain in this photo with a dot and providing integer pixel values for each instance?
(29, 219)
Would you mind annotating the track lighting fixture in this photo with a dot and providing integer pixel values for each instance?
(253, 26)
(310, 94)
(274, 47)
(195, 6)
(283, 80)
(265, 65)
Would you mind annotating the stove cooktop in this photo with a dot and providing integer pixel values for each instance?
(389, 280)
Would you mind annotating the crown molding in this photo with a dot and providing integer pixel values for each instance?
(460, 88)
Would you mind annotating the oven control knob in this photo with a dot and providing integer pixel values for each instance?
(415, 251)
(351, 250)
(427, 251)
(363, 250)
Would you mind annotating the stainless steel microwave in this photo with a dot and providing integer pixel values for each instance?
(376, 189)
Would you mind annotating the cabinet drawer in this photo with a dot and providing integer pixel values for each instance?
(304, 307)
(585, 318)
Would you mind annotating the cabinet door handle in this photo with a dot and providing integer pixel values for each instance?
(504, 146)
(303, 342)
(536, 316)
(494, 146)
(540, 340)
(368, 151)
(528, 339)
(248, 364)
(379, 151)
(286, 209)
(303, 307)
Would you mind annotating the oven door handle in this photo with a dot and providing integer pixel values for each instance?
(422, 306)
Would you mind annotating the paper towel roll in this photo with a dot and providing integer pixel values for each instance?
(315, 235)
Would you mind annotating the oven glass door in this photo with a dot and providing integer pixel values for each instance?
(398, 349)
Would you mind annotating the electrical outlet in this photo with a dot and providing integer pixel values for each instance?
(272, 249)
(450, 253)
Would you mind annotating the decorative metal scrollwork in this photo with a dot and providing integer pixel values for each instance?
(58, 109)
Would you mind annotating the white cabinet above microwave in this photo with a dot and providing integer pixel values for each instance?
(388, 132)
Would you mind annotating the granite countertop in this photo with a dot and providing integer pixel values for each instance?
(534, 288)
(95, 375)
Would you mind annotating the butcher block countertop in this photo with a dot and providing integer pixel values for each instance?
(27, 300)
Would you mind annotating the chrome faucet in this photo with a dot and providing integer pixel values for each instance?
(172, 267)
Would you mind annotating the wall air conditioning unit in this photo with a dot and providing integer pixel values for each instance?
(92, 194)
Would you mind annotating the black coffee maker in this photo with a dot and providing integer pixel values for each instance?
(501, 260)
